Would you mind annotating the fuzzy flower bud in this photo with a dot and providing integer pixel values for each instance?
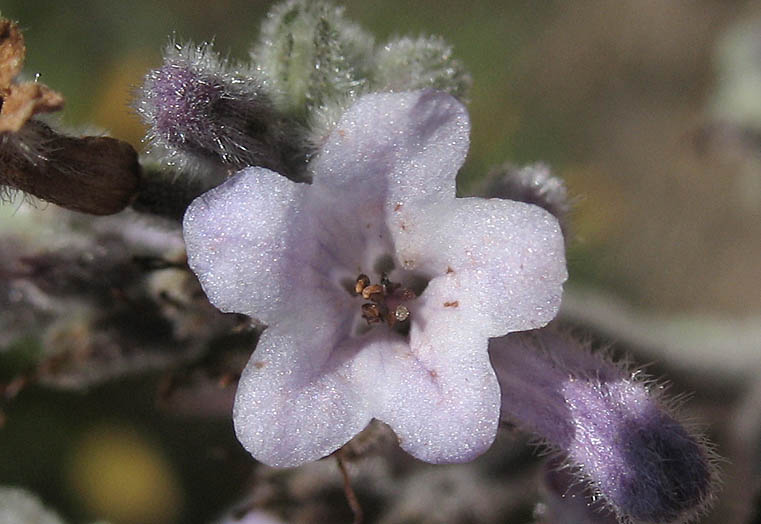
(417, 63)
(310, 53)
(534, 184)
(200, 110)
(641, 461)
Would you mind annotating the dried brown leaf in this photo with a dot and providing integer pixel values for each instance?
(12, 52)
(23, 101)
(19, 102)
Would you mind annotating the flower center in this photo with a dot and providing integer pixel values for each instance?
(386, 300)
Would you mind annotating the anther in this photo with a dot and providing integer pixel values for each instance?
(372, 313)
(379, 309)
(373, 292)
(362, 282)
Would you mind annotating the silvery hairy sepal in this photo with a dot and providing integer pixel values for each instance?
(309, 54)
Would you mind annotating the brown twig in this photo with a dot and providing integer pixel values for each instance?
(351, 496)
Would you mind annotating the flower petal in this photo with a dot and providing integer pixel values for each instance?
(438, 392)
(250, 243)
(502, 260)
(295, 401)
(309, 390)
(395, 148)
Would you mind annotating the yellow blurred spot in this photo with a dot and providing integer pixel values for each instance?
(117, 475)
(112, 106)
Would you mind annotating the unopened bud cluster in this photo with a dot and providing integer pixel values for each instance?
(211, 116)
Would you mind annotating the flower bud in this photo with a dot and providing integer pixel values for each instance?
(534, 184)
(310, 53)
(200, 110)
(416, 63)
(614, 432)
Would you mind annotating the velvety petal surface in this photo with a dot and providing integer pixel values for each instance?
(394, 148)
(306, 393)
(438, 391)
(250, 241)
(312, 383)
(504, 260)
(296, 401)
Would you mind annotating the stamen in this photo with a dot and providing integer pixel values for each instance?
(372, 313)
(385, 300)
(370, 291)
(362, 282)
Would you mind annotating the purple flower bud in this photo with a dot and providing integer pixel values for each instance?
(637, 457)
(199, 109)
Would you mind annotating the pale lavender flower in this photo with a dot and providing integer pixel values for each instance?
(443, 275)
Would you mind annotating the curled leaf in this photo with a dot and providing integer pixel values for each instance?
(12, 52)
(23, 101)
(19, 102)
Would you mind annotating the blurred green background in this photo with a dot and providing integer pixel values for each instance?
(612, 94)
